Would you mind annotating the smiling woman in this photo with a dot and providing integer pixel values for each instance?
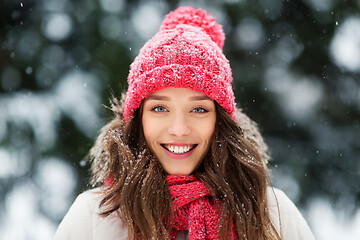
(178, 124)
(179, 161)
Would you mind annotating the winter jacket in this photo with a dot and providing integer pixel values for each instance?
(83, 222)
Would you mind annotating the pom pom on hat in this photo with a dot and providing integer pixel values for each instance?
(185, 53)
(197, 18)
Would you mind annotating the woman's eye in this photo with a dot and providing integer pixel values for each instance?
(159, 109)
(199, 110)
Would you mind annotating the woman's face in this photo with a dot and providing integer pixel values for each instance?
(178, 125)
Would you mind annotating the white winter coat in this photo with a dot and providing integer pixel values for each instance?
(83, 222)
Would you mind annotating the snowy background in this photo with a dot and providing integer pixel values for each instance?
(296, 66)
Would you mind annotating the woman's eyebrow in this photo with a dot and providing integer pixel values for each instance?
(157, 97)
(200, 98)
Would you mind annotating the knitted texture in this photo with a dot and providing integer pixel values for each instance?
(185, 53)
(197, 18)
(193, 208)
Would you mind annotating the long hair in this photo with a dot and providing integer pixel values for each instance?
(133, 183)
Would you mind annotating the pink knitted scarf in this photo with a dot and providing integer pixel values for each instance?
(193, 209)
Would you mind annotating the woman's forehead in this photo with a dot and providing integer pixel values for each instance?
(171, 92)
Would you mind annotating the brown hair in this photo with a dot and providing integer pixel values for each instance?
(234, 170)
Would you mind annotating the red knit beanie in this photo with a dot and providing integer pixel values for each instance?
(185, 53)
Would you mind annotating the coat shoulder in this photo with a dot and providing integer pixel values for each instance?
(286, 218)
(83, 220)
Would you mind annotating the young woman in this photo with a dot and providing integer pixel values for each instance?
(179, 160)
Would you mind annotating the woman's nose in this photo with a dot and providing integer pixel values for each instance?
(179, 126)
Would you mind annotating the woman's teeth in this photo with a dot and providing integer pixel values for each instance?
(178, 149)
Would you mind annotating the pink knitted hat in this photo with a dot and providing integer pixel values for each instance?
(185, 53)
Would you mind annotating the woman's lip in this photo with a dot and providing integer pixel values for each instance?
(179, 144)
(181, 155)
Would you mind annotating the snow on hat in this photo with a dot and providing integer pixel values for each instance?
(185, 53)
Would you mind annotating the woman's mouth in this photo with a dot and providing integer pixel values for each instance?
(178, 149)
